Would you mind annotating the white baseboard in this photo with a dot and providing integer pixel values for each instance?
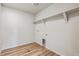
(58, 53)
(55, 51)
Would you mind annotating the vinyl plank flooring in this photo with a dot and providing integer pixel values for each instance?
(32, 49)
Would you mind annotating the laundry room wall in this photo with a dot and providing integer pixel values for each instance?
(62, 37)
(0, 29)
(17, 27)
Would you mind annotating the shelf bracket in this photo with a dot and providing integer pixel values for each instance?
(43, 21)
(65, 16)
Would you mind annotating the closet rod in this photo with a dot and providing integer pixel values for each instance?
(65, 14)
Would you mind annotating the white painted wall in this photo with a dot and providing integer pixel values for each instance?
(17, 28)
(62, 37)
(0, 29)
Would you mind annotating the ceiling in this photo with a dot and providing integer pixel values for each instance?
(33, 8)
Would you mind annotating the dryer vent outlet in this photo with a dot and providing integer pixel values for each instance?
(44, 42)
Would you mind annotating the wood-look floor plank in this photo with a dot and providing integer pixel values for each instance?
(19, 49)
(32, 49)
(38, 52)
(15, 48)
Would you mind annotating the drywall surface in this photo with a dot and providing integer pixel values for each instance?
(17, 28)
(55, 9)
(0, 29)
(61, 37)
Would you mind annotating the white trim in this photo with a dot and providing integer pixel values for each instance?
(56, 52)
